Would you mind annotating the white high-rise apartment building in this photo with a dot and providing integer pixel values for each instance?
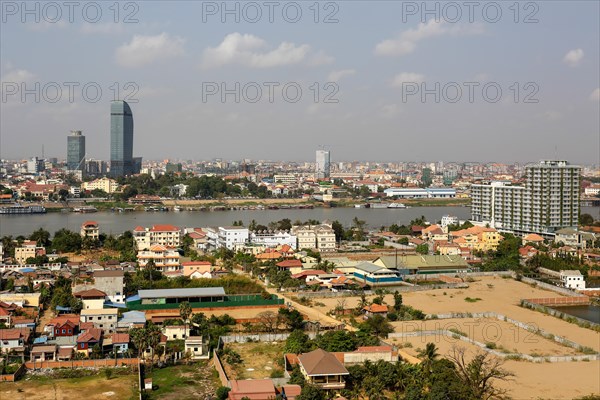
(548, 201)
(323, 166)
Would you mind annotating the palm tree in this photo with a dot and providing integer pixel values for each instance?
(429, 354)
(139, 339)
(185, 311)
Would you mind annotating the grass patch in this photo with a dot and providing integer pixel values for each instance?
(472, 300)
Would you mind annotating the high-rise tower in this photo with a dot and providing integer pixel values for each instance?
(121, 139)
(75, 151)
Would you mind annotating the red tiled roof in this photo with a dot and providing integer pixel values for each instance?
(294, 263)
(90, 294)
(195, 263)
(309, 272)
(89, 223)
(139, 229)
(164, 228)
(376, 308)
(120, 338)
(91, 335)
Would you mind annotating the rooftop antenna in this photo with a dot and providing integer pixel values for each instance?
(43, 152)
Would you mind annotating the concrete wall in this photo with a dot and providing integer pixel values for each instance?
(82, 363)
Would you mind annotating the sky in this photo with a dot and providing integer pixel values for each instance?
(368, 80)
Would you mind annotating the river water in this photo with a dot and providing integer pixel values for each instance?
(589, 312)
(116, 223)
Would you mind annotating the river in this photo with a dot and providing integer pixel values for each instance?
(116, 223)
(589, 312)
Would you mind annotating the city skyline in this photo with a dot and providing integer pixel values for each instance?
(555, 67)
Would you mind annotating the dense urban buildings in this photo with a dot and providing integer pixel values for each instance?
(121, 140)
(547, 202)
(75, 151)
(323, 164)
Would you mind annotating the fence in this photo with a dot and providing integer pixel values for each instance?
(264, 337)
(101, 363)
(15, 376)
(232, 301)
(553, 288)
(220, 370)
(400, 289)
(561, 301)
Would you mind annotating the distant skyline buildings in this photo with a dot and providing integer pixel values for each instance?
(75, 151)
(122, 162)
(323, 164)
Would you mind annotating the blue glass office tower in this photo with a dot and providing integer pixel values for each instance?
(75, 151)
(121, 139)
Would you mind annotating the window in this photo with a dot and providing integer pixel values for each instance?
(195, 349)
(63, 331)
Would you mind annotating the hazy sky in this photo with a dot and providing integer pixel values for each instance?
(376, 60)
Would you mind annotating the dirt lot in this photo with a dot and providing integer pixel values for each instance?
(92, 387)
(259, 360)
(533, 380)
(505, 336)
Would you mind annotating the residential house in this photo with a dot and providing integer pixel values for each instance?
(106, 184)
(90, 229)
(43, 353)
(375, 309)
(87, 340)
(29, 249)
(532, 238)
(120, 343)
(293, 265)
(273, 238)
(572, 279)
(252, 389)
(574, 238)
(161, 235)
(91, 299)
(176, 332)
(323, 369)
(166, 259)
(229, 236)
(477, 238)
(197, 269)
(64, 325)
(434, 233)
(111, 282)
(315, 237)
(14, 340)
(104, 319)
(197, 348)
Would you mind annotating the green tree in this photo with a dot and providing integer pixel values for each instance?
(293, 319)
(298, 342)
(311, 392)
(422, 248)
(185, 310)
(41, 237)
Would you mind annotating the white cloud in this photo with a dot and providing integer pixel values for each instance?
(252, 51)
(17, 76)
(595, 96)
(407, 41)
(335, 76)
(143, 50)
(407, 77)
(573, 57)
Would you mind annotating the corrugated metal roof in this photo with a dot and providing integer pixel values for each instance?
(182, 292)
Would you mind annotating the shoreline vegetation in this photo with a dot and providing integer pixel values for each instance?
(226, 204)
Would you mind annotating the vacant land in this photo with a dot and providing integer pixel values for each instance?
(259, 360)
(533, 380)
(500, 335)
(194, 381)
(92, 387)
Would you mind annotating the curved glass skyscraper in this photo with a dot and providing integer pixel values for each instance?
(121, 139)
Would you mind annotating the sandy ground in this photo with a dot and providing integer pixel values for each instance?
(95, 388)
(503, 296)
(505, 336)
(533, 380)
(259, 360)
